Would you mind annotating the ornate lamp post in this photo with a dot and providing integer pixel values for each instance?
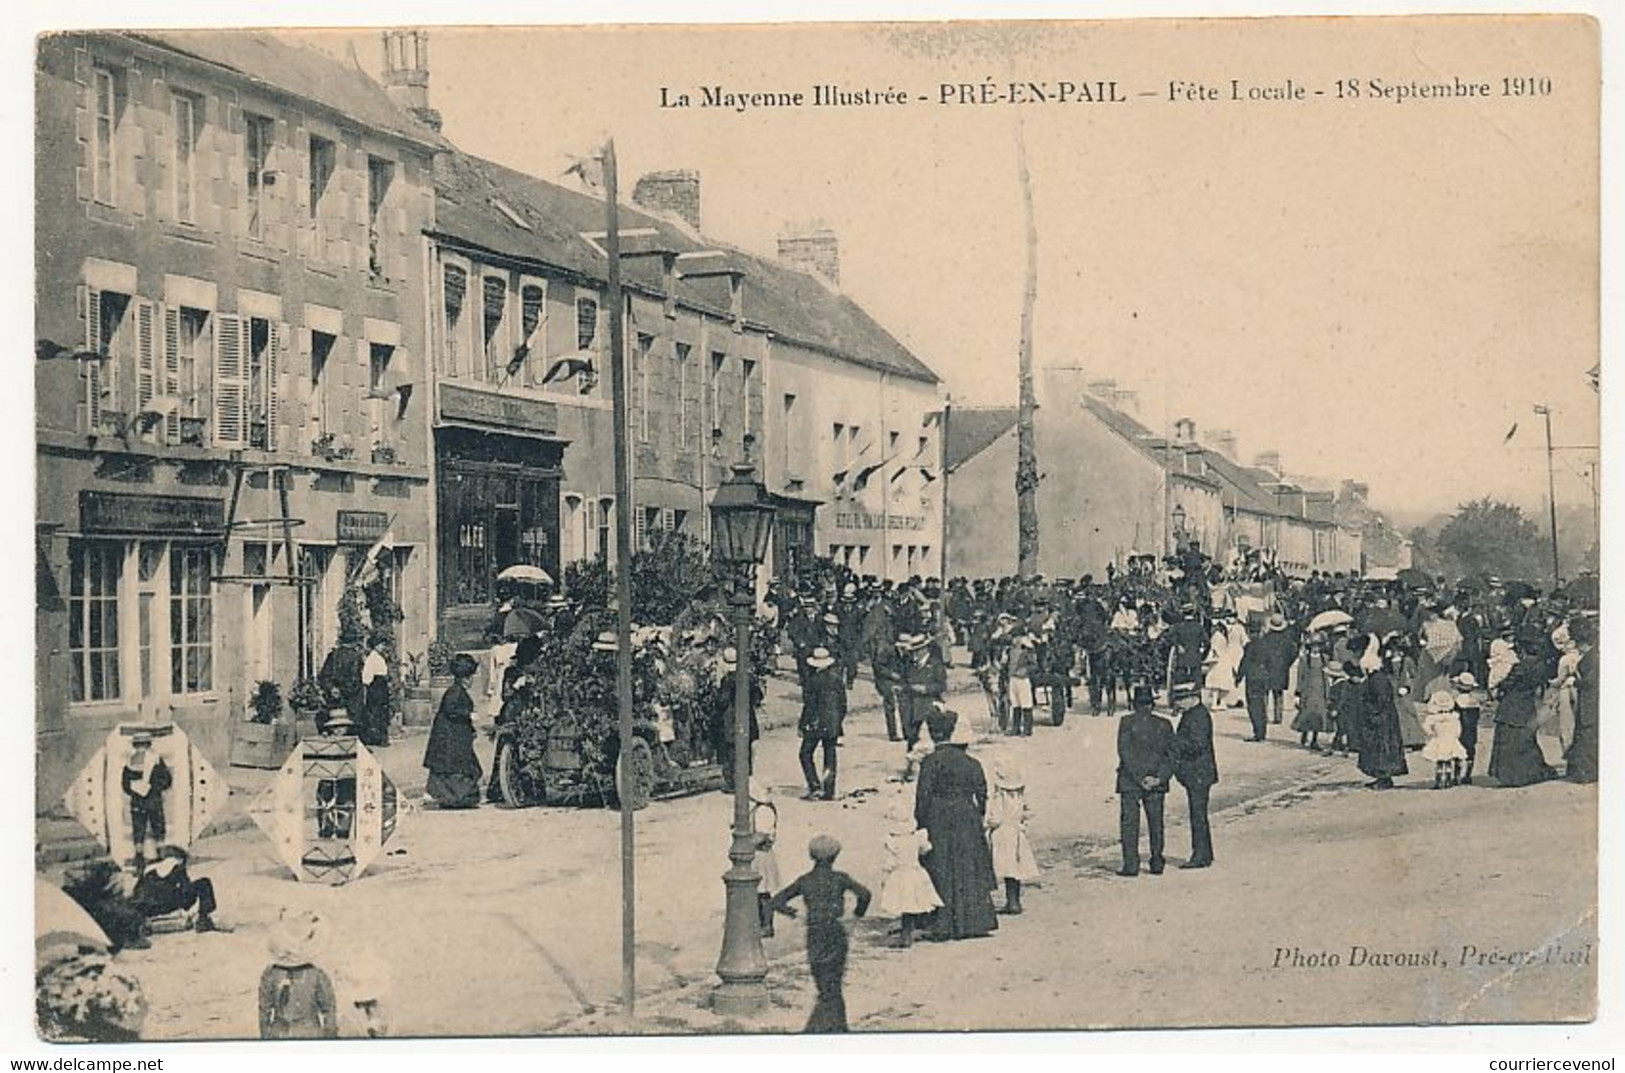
(741, 526)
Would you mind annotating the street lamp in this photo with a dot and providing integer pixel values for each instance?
(741, 526)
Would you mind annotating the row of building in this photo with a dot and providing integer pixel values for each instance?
(286, 326)
(288, 323)
(1109, 488)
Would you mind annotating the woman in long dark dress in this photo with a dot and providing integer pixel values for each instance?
(454, 770)
(1515, 756)
(1381, 743)
(950, 804)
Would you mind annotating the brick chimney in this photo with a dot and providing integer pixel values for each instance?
(1268, 460)
(1185, 430)
(813, 248)
(675, 193)
(1127, 401)
(1354, 491)
(1104, 390)
(406, 74)
(1221, 440)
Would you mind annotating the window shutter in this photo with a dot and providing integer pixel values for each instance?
(668, 519)
(641, 518)
(358, 410)
(146, 353)
(172, 371)
(230, 382)
(273, 343)
(93, 369)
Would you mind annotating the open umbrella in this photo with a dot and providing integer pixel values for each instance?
(1328, 619)
(525, 573)
(1583, 592)
(521, 622)
(61, 921)
(1414, 578)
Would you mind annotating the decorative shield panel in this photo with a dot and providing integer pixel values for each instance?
(175, 815)
(329, 810)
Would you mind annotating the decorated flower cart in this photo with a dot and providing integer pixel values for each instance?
(557, 738)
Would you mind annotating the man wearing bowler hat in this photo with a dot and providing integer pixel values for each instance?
(1144, 768)
(1145, 746)
(1195, 768)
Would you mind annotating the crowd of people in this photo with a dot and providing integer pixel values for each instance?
(1391, 673)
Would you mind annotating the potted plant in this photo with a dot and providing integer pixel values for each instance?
(192, 430)
(306, 700)
(383, 454)
(418, 699)
(265, 738)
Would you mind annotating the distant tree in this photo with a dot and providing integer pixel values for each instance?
(1490, 537)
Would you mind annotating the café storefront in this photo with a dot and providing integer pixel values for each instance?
(498, 464)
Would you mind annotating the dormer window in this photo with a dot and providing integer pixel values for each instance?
(510, 213)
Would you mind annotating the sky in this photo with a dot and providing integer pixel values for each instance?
(1375, 289)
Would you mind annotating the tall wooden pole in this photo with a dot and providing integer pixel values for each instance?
(1026, 449)
(1551, 492)
(623, 581)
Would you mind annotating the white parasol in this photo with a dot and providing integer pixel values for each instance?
(526, 573)
(1328, 619)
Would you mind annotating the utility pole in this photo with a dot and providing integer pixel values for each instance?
(1551, 491)
(623, 580)
(1026, 450)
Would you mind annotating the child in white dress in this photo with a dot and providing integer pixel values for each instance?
(1006, 822)
(1442, 725)
(764, 815)
(906, 892)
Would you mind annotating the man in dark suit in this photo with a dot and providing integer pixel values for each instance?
(1195, 768)
(1266, 665)
(823, 708)
(1145, 746)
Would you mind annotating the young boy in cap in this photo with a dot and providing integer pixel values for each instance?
(145, 780)
(824, 890)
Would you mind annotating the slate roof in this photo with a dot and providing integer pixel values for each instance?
(1246, 494)
(1147, 442)
(972, 430)
(784, 301)
(298, 71)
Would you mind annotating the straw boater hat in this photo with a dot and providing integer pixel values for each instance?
(557, 602)
(820, 658)
(293, 940)
(1442, 701)
(730, 657)
(831, 618)
(1277, 622)
(1185, 691)
(606, 642)
(339, 724)
(911, 642)
(1465, 680)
